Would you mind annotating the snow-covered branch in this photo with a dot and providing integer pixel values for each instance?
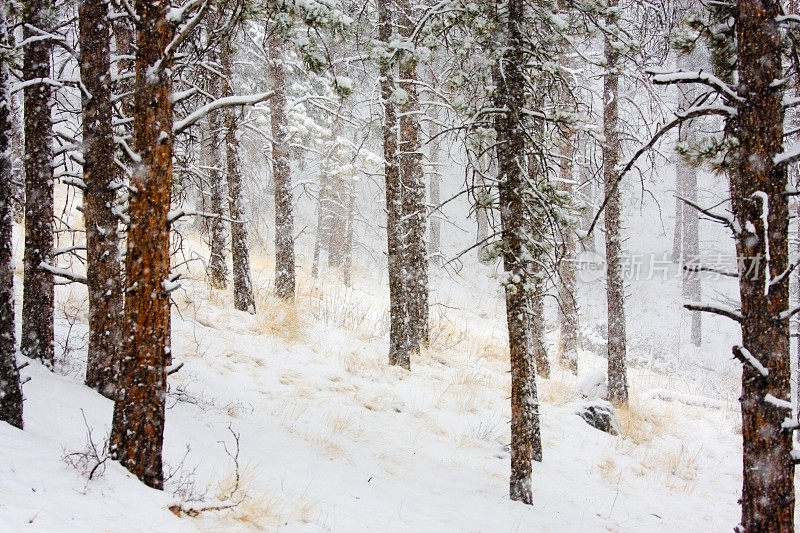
(220, 103)
(661, 77)
(63, 273)
(717, 310)
(743, 354)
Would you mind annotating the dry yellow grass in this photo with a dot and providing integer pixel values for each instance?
(643, 419)
(609, 470)
(284, 319)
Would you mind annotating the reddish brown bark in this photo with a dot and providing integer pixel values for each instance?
(757, 189)
(138, 428)
(526, 443)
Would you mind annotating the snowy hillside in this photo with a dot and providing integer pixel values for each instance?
(331, 438)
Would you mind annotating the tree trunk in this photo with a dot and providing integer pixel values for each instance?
(138, 426)
(615, 289)
(677, 235)
(37, 301)
(243, 298)
(217, 265)
(567, 301)
(18, 157)
(398, 351)
(100, 173)
(10, 390)
(347, 267)
(281, 174)
(692, 288)
(510, 96)
(412, 190)
(435, 188)
(759, 203)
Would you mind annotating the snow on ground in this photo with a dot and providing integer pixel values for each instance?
(332, 439)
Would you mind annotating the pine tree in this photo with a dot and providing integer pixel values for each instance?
(38, 285)
(10, 390)
(745, 48)
(138, 425)
(526, 442)
(615, 287)
(100, 175)
(281, 174)
(243, 298)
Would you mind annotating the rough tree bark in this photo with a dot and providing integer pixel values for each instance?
(217, 264)
(347, 266)
(37, 300)
(138, 426)
(435, 190)
(100, 173)
(281, 173)
(688, 226)
(757, 189)
(10, 390)
(398, 350)
(568, 303)
(412, 189)
(615, 289)
(692, 288)
(526, 443)
(243, 298)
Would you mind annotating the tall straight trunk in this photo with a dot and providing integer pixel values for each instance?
(537, 328)
(281, 174)
(615, 289)
(412, 190)
(10, 390)
(100, 173)
(482, 193)
(18, 157)
(138, 426)
(435, 191)
(526, 443)
(37, 301)
(759, 203)
(347, 266)
(398, 351)
(692, 288)
(321, 230)
(243, 298)
(217, 265)
(334, 224)
(567, 287)
(677, 234)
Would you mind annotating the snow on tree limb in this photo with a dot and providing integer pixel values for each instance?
(743, 354)
(661, 77)
(789, 156)
(63, 273)
(220, 103)
(777, 402)
(717, 310)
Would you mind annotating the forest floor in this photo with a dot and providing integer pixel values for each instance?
(330, 438)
